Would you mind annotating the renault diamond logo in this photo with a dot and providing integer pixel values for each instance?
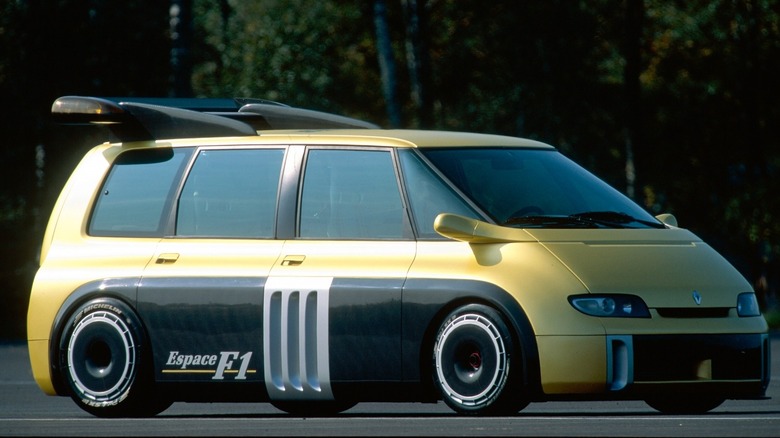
(696, 297)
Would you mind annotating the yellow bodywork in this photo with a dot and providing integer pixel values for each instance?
(540, 268)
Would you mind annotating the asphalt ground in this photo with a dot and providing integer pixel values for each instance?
(26, 411)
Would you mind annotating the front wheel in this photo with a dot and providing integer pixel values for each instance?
(104, 361)
(473, 363)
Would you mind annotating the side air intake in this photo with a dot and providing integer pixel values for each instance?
(295, 338)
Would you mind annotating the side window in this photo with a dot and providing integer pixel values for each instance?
(231, 193)
(429, 195)
(137, 193)
(350, 194)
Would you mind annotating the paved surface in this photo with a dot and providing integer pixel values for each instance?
(26, 411)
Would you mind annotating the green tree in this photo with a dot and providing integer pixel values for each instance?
(711, 83)
(686, 91)
(49, 49)
(314, 54)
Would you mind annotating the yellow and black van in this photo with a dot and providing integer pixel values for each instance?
(241, 250)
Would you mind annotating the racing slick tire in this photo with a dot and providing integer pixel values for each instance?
(105, 362)
(474, 363)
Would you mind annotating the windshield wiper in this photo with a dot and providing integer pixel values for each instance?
(591, 219)
(550, 221)
(615, 218)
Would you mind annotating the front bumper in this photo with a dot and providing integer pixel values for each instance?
(731, 366)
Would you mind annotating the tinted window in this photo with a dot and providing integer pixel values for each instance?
(231, 193)
(137, 192)
(350, 194)
(429, 195)
(543, 185)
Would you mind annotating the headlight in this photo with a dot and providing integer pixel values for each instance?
(747, 305)
(611, 306)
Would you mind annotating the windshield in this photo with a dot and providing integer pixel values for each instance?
(537, 188)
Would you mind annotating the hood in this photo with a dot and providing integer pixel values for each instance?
(666, 267)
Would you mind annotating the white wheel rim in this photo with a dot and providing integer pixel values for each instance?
(122, 384)
(499, 375)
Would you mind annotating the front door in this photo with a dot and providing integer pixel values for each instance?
(332, 309)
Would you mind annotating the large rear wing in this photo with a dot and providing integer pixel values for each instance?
(135, 119)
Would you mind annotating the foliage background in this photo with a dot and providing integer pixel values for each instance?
(672, 102)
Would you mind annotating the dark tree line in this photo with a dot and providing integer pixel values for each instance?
(672, 102)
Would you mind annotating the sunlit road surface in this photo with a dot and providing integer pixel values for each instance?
(26, 411)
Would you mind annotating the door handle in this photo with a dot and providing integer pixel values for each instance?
(293, 260)
(167, 258)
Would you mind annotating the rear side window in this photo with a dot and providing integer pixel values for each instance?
(137, 192)
(231, 193)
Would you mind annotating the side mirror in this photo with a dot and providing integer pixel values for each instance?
(668, 219)
(470, 230)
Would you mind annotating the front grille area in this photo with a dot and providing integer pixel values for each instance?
(693, 312)
(671, 358)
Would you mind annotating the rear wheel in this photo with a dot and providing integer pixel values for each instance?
(104, 362)
(682, 405)
(474, 364)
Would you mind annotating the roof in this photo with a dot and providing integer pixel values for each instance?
(400, 137)
(142, 119)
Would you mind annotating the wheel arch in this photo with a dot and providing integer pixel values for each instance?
(422, 319)
(123, 290)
